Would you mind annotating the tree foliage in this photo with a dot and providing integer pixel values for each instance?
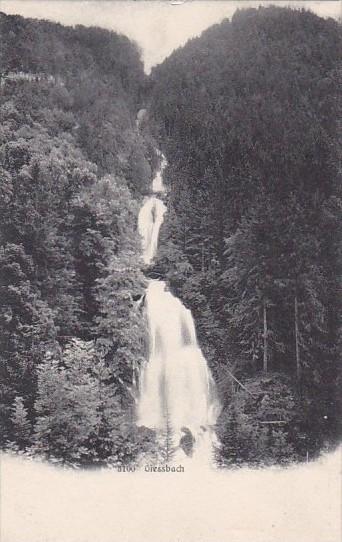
(73, 169)
(247, 116)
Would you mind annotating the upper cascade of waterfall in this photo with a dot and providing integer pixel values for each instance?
(151, 215)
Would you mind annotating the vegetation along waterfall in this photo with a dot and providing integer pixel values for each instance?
(177, 393)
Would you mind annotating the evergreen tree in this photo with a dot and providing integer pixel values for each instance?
(20, 423)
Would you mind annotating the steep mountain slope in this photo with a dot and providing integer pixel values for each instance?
(247, 116)
(73, 170)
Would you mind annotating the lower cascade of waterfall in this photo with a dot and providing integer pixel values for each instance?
(176, 390)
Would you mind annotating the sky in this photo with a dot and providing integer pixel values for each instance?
(158, 27)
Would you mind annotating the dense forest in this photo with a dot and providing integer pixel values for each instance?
(247, 116)
(73, 170)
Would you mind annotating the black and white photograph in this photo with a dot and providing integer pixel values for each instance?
(170, 263)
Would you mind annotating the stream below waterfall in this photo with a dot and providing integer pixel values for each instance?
(176, 391)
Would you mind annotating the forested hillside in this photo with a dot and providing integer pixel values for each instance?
(247, 117)
(73, 169)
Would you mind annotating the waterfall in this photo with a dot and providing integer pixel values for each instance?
(150, 219)
(176, 388)
(157, 183)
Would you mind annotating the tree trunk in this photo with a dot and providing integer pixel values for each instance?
(298, 364)
(265, 366)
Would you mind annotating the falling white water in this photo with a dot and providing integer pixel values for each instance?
(157, 183)
(150, 219)
(175, 385)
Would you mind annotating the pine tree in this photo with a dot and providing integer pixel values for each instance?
(20, 423)
(166, 442)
